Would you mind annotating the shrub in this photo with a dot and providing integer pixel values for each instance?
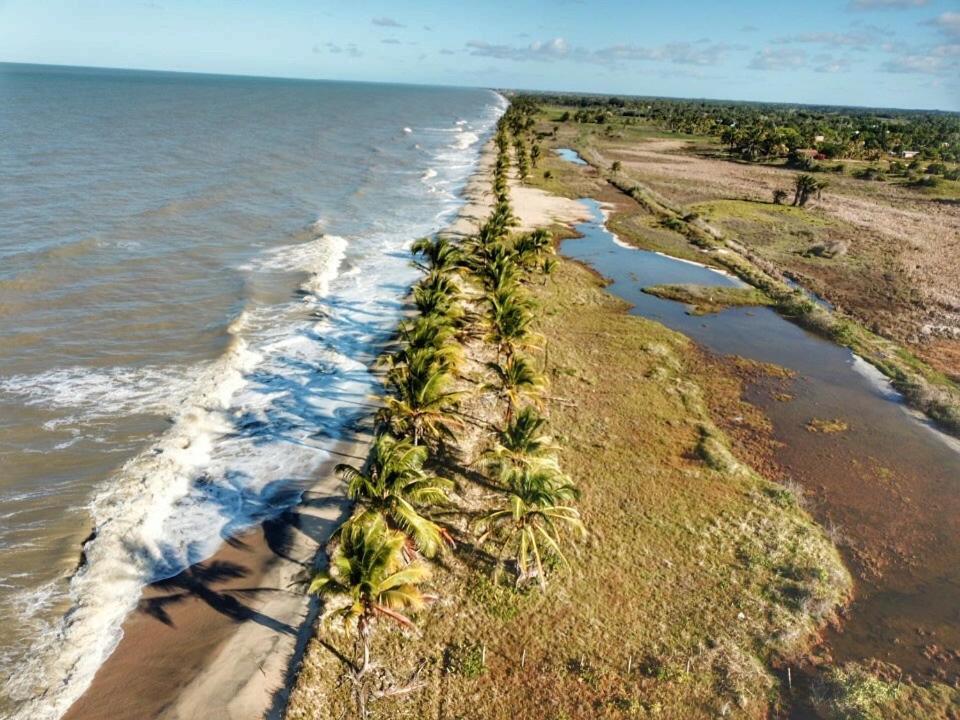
(936, 168)
(869, 173)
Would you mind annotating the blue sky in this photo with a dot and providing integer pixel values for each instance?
(894, 53)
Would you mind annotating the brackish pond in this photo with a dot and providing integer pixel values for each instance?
(889, 483)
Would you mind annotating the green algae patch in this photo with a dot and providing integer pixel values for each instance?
(827, 427)
(705, 299)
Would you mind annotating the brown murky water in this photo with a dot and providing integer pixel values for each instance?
(888, 486)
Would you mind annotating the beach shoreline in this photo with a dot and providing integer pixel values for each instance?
(228, 632)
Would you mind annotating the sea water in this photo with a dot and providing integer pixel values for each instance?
(194, 272)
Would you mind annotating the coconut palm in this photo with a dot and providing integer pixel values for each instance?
(428, 334)
(369, 579)
(533, 521)
(422, 404)
(804, 186)
(439, 254)
(533, 247)
(522, 443)
(438, 294)
(394, 484)
(509, 321)
(515, 380)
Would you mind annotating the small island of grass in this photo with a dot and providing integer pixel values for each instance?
(705, 299)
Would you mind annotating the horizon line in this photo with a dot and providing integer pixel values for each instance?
(501, 90)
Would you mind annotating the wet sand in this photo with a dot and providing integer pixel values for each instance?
(224, 633)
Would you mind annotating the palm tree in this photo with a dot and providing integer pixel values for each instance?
(422, 404)
(430, 334)
(439, 253)
(804, 186)
(522, 443)
(371, 579)
(532, 247)
(531, 524)
(509, 321)
(438, 294)
(394, 483)
(515, 379)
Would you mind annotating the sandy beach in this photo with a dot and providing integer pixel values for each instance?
(228, 633)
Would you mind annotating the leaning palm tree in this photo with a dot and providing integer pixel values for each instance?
(532, 523)
(438, 295)
(509, 321)
(522, 443)
(532, 248)
(435, 356)
(422, 404)
(394, 484)
(515, 379)
(440, 254)
(369, 579)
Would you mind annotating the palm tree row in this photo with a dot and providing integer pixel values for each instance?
(476, 288)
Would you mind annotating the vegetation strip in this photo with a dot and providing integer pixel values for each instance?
(729, 572)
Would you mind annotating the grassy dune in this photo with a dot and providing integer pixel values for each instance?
(696, 572)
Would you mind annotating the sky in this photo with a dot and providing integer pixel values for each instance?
(881, 53)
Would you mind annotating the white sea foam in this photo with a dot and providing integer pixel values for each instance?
(466, 139)
(101, 392)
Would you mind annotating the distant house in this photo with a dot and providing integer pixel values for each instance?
(907, 154)
(819, 138)
(807, 152)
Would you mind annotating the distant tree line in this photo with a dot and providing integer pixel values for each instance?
(756, 131)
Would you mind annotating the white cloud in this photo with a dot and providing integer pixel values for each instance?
(886, 4)
(832, 65)
(554, 49)
(350, 49)
(780, 58)
(702, 52)
(916, 64)
(386, 22)
(847, 39)
(679, 53)
(948, 23)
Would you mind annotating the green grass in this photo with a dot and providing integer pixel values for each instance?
(696, 572)
(704, 299)
(760, 212)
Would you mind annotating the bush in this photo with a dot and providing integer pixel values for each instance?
(869, 173)
(927, 181)
(936, 169)
(547, 174)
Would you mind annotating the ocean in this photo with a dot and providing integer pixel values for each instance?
(194, 273)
